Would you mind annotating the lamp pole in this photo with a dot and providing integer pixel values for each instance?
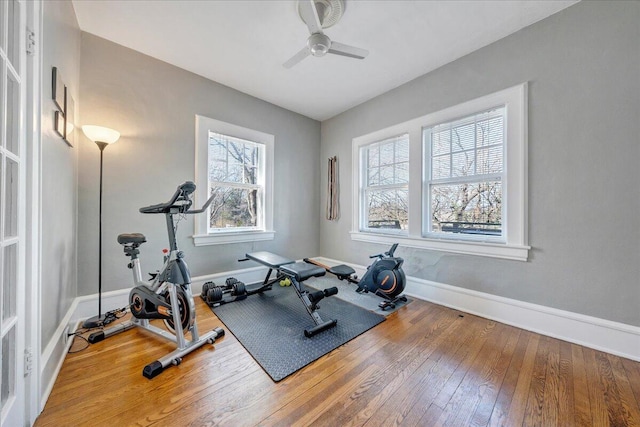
(95, 322)
(102, 137)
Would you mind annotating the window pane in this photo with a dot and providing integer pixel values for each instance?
(386, 175)
(373, 176)
(462, 164)
(387, 209)
(251, 174)
(469, 208)
(10, 201)
(402, 173)
(441, 167)
(9, 279)
(387, 154)
(7, 388)
(463, 137)
(236, 172)
(388, 162)
(490, 160)
(441, 143)
(490, 131)
(217, 147)
(234, 207)
(13, 40)
(476, 146)
(217, 171)
(233, 160)
(402, 150)
(373, 156)
(13, 114)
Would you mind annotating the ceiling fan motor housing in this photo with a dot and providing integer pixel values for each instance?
(319, 44)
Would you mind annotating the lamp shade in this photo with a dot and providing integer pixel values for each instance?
(100, 134)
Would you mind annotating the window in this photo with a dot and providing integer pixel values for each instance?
(385, 194)
(453, 180)
(234, 166)
(463, 166)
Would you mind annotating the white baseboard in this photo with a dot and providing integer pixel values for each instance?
(50, 357)
(600, 334)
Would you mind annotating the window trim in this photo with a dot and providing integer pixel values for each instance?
(201, 235)
(515, 245)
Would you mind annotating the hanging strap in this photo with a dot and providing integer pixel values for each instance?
(333, 208)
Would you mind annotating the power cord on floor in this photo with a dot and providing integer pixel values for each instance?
(109, 317)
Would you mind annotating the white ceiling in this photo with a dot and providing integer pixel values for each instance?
(243, 44)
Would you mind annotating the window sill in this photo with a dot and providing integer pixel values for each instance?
(493, 250)
(232, 237)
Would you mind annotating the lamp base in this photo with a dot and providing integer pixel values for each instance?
(99, 321)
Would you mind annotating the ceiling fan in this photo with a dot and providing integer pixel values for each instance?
(319, 14)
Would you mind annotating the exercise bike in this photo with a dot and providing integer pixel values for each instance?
(384, 277)
(168, 295)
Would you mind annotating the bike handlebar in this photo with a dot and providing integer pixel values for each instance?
(180, 201)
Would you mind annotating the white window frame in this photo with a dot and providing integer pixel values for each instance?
(264, 231)
(364, 169)
(514, 244)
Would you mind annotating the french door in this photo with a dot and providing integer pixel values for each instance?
(12, 210)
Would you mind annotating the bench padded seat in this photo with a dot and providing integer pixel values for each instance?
(269, 259)
(302, 270)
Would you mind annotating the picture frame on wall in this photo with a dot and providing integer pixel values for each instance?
(58, 123)
(69, 118)
(57, 89)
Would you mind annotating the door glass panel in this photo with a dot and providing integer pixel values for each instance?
(10, 201)
(13, 114)
(3, 12)
(9, 282)
(13, 39)
(7, 387)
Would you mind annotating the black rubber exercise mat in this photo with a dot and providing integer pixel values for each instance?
(271, 327)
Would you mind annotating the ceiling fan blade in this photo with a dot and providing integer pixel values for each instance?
(309, 15)
(297, 57)
(346, 50)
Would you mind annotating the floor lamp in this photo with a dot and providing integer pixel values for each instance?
(102, 137)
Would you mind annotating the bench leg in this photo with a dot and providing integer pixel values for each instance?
(310, 302)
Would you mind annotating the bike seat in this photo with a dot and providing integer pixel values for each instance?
(126, 238)
(301, 271)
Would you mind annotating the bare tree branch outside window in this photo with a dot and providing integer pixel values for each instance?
(233, 181)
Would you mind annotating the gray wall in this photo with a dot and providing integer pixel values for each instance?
(153, 105)
(583, 69)
(61, 48)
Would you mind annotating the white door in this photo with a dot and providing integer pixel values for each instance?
(12, 210)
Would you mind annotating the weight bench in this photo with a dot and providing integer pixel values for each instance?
(284, 268)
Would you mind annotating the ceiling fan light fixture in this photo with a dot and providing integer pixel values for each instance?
(319, 44)
(329, 11)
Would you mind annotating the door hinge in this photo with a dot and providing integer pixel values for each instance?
(31, 42)
(28, 361)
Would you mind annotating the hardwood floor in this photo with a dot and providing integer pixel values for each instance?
(426, 365)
